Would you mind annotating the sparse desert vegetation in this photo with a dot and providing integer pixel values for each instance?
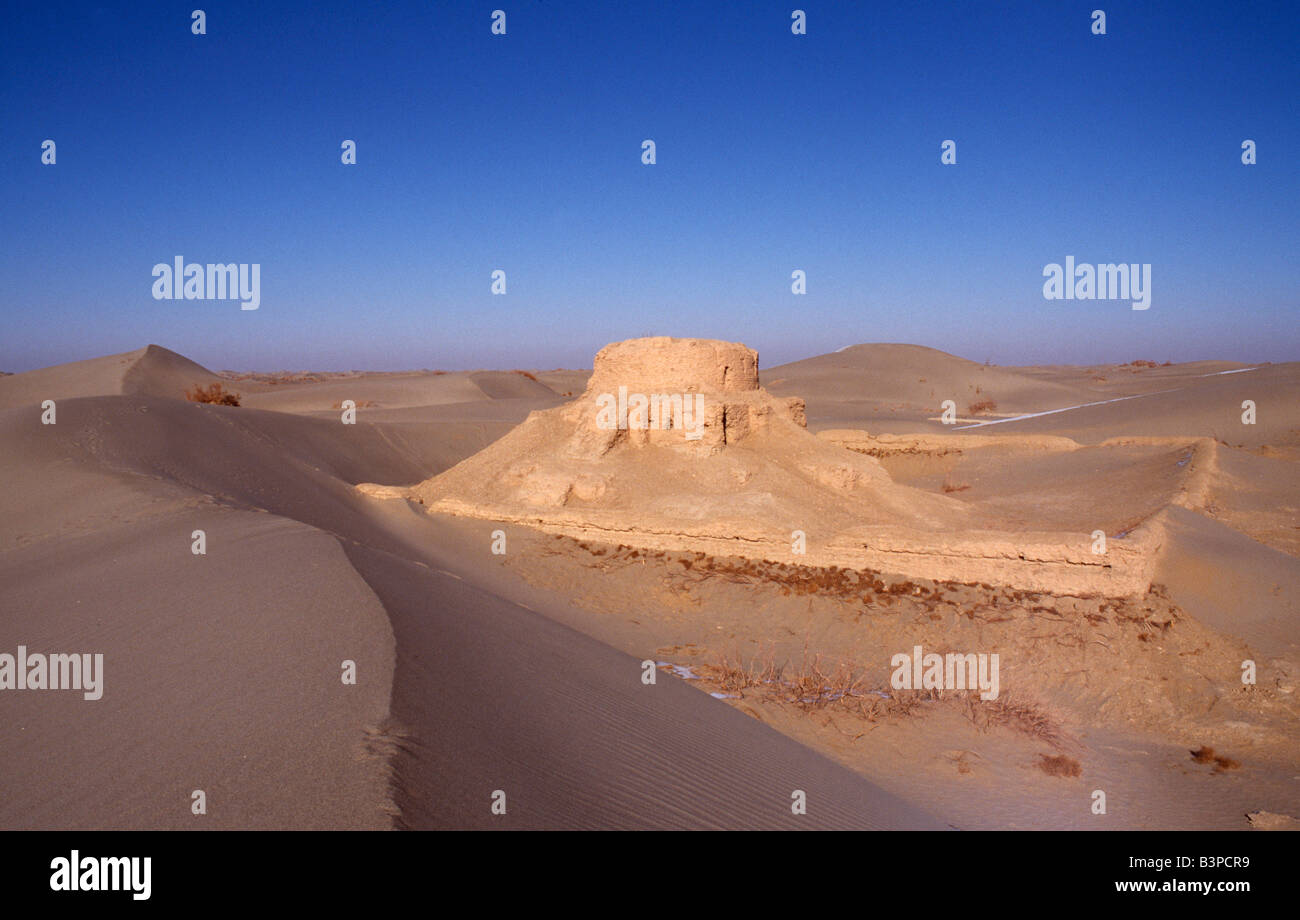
(1206, 755)
(214, 394)
(817, 684)
(951, 485)
(840, 609)
(280, 378)
(1060, 765)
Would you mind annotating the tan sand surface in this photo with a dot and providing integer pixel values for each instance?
(483, 695)
(522, 671)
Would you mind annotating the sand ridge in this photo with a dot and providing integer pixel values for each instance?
(310, 573)
(152, 370)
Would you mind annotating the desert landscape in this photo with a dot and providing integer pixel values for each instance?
(667, 591)
(856, 418)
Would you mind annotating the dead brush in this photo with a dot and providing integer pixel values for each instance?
(214, 394)
(852, 586)
(1017, 715)
(1060, 765)
(813, 686)
(1205, 755)
(737, 677)
(951, 485)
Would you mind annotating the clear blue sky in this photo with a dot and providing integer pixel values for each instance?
(522, 152)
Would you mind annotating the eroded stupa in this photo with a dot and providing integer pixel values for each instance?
(674, 445)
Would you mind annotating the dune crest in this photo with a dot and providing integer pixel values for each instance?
(149, 371)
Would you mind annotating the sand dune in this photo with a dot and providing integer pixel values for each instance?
(397, 391)
(1234, 584)
(498, 385)
(282, 603)
(900, 388)
(221, 674)
(1189, 405)
(156, 371)
(914, 376)
(152, 370)
(521, 672)
(505, 699)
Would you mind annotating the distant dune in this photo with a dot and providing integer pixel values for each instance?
(916, 376)
(395, 391)
(148, 371)
(901, 389)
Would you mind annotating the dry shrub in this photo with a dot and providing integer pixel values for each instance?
(215, 394)
(981, 406)
(810, 687)
(1205, 754)
(815, 686)
(832, 581)
(1025, 718)
(1140, 364)
(1060, 765)
(277, 378)
(360, 404)
(950, 486)
(532, 377)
